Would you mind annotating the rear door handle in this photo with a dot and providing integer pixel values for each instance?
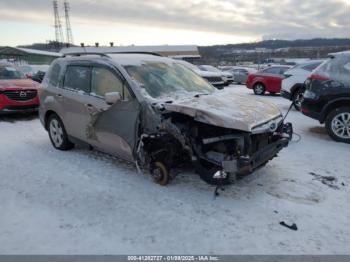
(59, 95)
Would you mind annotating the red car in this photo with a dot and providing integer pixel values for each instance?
(17, 93)
(267, 80)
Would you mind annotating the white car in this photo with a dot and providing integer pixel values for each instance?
(292, 84)
(213, 78)
(227, 76)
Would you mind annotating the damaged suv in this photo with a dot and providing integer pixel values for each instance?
(155, 112)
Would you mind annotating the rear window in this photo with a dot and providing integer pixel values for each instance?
(78, 78)
(337, 68)
(311, 67)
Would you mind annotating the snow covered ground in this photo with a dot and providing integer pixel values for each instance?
(85, 202)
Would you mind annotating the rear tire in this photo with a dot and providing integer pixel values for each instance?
(338, 124)
(57, 133)
(297, 99)
(259, 89)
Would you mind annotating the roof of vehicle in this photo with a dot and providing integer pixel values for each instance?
(121, 58)
(347, 53)
(312, 61)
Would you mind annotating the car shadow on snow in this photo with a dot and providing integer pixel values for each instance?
(12, 118)
(320, 132)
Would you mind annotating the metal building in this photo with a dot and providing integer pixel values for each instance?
(27, 56)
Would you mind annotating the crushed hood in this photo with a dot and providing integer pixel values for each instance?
(226, 109)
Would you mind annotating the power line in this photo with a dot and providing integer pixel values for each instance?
(69, 35)
(58, 25)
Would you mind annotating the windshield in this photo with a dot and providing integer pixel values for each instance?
(161, 79)
(10, 73)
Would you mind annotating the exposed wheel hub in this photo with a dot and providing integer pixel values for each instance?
(157, 174)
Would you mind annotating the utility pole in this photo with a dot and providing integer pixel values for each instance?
(69, 35)
(58, 26)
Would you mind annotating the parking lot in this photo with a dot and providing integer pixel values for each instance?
(85, 202)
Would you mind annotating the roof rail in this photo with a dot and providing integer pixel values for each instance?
(134, 52)
(85, 53)
(106, 54)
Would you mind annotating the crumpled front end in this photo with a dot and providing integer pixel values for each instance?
(215, 150)
(239, 153)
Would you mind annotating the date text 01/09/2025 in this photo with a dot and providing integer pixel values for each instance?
(173, 258)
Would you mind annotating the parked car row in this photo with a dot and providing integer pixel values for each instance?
(267, 80)
(319, 88)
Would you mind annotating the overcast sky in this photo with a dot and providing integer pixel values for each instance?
(201, 22)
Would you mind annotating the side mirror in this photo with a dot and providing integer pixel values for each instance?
(112, 97)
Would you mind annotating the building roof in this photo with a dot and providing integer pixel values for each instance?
(8, 50)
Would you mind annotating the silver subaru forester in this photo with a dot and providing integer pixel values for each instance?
(155, 112)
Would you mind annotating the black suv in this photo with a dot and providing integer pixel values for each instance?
(327, 96)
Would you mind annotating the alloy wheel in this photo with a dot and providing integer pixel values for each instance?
(259, 89)
(56, 132)
(341, 125)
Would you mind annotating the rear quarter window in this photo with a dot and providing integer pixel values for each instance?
(311, 67)
(52, 76)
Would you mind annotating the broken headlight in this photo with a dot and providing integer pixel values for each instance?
(270, 126)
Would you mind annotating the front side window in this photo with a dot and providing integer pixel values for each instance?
(160, 79)
(104, 81)
(78, 78)
(10, 73)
